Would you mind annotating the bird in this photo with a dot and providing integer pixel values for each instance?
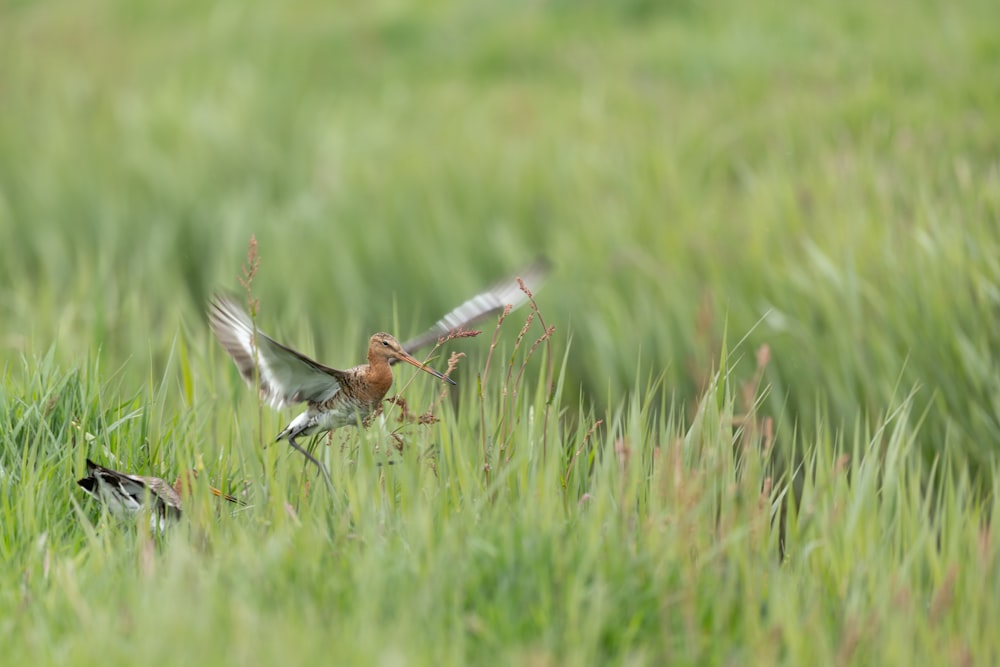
(336, 398)
(126, 495)
(333, 397)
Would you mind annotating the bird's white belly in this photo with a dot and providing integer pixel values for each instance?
(121, 505)
(315, 420)
(344, 414)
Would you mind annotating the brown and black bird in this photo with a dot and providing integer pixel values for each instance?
(333, 397)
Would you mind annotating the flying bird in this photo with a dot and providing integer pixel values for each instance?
(333, 397)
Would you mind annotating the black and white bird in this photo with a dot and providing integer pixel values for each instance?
(126, 495)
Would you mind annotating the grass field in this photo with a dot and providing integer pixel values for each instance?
(764, 430)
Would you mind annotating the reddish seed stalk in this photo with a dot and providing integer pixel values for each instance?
(511, 382)
(460, 332)
(493, 342)
(406, 415)
(509, 392)
(428, 417)
(482, 394)
(549, 374)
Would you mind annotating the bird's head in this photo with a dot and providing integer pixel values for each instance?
(383, 347)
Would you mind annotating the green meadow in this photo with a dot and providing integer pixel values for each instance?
(762, 429)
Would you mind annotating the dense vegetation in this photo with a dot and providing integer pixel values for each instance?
(764, 429)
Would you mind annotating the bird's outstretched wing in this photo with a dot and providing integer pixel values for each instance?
(488, 302)
(286, 376)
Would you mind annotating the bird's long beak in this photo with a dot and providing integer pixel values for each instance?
(226, 496)
(402, 356)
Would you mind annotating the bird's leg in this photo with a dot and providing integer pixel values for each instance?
(322, 468)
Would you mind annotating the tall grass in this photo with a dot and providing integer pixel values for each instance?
(636, 539)
(763, 429)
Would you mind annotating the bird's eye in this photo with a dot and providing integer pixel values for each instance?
(386, 343)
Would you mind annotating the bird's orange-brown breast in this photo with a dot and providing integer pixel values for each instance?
(368, 384)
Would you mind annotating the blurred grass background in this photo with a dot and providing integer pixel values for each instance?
(822, 179)
(834, 168)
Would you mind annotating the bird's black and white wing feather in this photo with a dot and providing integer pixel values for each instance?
(126, 494)
(488, 302)
(286, 376)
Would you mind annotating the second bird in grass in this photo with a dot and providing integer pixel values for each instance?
(126, 494)
(333, 398)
